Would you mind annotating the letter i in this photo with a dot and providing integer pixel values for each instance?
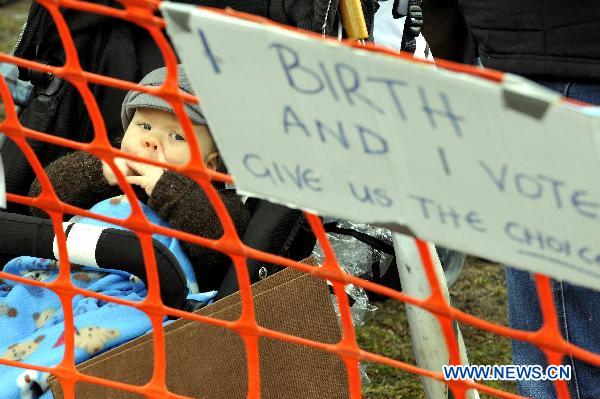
(211, 56)
(444, 161)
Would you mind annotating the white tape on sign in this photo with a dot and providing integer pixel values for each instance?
(81, 244)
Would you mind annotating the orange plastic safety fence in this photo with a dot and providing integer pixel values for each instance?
(142, 13)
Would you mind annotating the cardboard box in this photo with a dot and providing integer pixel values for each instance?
(204, 361)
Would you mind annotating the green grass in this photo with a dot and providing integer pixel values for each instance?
(480, 291)
(12, 17)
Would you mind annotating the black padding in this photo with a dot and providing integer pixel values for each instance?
(18, 172)
(26, 235)
(122, 249)
(116, 249)
(272, 227)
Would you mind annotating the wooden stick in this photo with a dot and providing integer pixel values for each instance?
(353, 19)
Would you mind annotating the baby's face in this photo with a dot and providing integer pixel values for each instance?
(158, 135)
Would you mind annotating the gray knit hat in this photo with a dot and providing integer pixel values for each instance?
(135, 99)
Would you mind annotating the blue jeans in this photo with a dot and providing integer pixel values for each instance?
(578, 308)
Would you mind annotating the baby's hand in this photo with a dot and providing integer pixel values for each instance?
(145, 176)
(110, 176)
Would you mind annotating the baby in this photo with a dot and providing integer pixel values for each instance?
(32, 324)
(153, 131)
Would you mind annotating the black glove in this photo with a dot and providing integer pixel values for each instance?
(398, 13)
(412, 25)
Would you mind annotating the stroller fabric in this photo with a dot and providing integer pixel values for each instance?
(32, 319)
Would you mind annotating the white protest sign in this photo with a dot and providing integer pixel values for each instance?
(507, 171)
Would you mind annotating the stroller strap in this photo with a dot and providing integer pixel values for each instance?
(104, 247)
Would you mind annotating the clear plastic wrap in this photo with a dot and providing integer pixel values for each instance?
(354, 256)
(361, 309)
(357, 258)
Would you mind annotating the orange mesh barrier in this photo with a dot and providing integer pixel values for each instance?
(141, 12)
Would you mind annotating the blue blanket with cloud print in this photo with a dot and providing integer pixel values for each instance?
(31, 318)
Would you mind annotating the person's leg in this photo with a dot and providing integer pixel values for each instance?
(524, 314)
(578, 308)
(581, 306)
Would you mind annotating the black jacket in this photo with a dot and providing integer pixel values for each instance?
(548, 38)
(305, 14)
(77, 180)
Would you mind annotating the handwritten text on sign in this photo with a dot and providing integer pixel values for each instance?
(505, 171)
